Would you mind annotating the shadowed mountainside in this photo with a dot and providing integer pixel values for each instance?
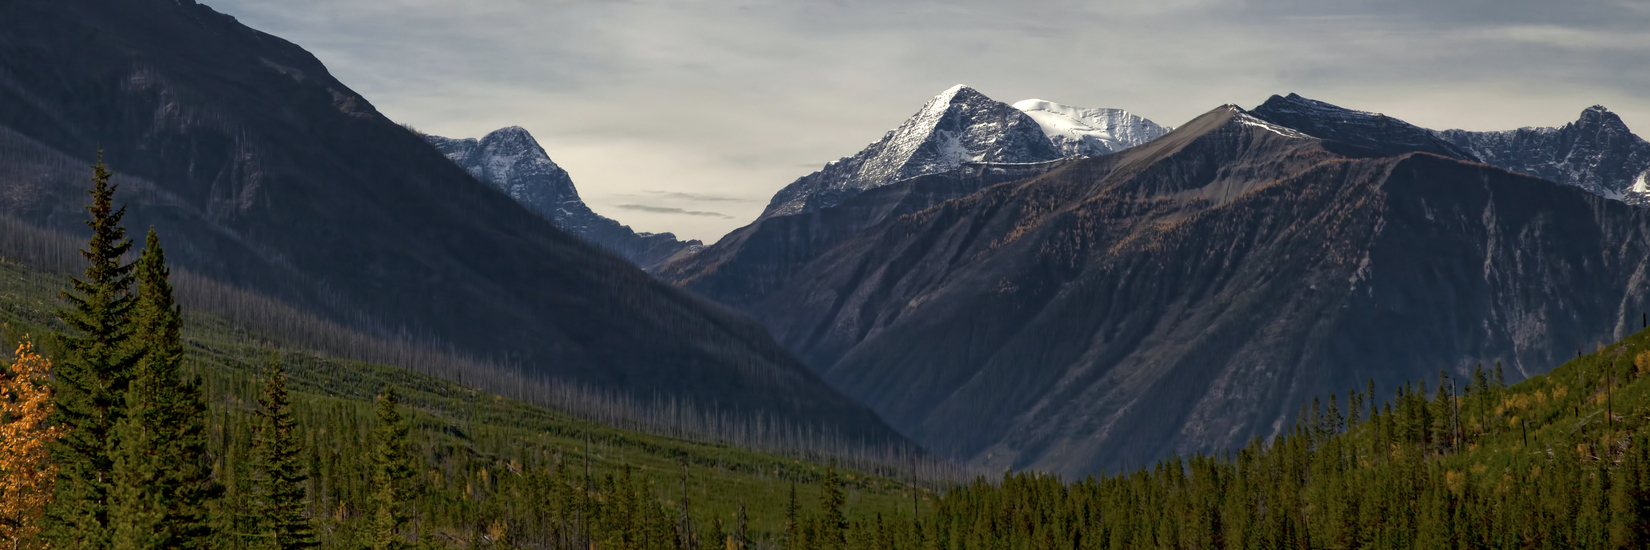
(1191, 293)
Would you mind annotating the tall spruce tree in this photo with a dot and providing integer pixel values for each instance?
(833, 522)
(392, 469)
(162, 479)
(91, 383)
(278, 454)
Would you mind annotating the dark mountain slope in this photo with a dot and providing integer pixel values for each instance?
(266, 172)
(1377, 131)
(1190, 293)
(761, 257)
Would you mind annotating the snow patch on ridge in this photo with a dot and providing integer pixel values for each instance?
(1247, 120)
(1079, 131)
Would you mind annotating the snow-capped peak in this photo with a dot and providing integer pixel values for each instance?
(958, 126)
(1079, 131)
(943, 101)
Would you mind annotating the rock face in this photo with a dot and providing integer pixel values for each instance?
(512, 161)
(1190, 293)
(958, 126)
(1375, 131)
(261, 170)
(1596, 152)
(1083, 132)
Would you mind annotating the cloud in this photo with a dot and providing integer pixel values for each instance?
(699, 197)
(672, 210)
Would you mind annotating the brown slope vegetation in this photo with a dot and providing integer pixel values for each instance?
(1190, 293)
(261, 170)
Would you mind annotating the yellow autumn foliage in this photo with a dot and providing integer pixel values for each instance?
(26, 471)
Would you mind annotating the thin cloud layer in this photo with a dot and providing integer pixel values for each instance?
(728, 98)
(672, 210)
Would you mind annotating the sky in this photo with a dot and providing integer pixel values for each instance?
(687, 115)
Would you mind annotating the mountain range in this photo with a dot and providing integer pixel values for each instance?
(263, 172)
(1193, 292)
(512, 161)
(1027, 285)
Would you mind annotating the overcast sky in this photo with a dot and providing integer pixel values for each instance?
(687, 115)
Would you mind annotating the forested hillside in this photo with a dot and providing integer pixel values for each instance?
(1556, 461)
(479, 469)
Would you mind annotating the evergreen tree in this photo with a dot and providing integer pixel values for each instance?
(791, 526)
(91, 383)
(833, 524)
(1630, 498)
(392, 469)
(162, 470)
(278, 451)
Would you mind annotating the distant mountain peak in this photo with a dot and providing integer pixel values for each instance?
(951, 94)
(1597, 152)
(1086, 132)
(510, 160)
(963, 126)
(958, 126)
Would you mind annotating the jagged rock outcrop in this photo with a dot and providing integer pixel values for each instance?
(1597, 152)
(512, 161)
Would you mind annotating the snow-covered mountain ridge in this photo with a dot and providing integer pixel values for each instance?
(1084, 132)
(512, 161)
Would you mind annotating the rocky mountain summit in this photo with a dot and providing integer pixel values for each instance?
(1597, 152)
(510, 160)
(962, 126)
(958, 126)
